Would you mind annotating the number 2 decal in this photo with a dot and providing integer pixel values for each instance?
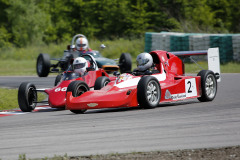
(190, 87)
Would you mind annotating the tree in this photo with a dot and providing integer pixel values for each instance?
(28, 22)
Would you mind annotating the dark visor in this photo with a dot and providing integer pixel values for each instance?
(79, 65)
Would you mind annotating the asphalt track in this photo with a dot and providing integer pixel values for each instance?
(185, 125)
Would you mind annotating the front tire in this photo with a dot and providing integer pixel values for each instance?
(208, 85)
(78, 88)
(125, 63)
(27, 96)
(43, 65)
(101, 82)
(148, 92)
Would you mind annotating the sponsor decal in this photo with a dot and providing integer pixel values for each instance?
(167, 94)
(179, 96)
(123, 77)
(92, 104)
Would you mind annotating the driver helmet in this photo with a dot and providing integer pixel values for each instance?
(80, 65)
(144, 61)
(82, 44)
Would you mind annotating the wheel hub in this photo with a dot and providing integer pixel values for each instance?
(152, 93)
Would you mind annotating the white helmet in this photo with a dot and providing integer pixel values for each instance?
(80, 65)
(144, 61)
(82, 44)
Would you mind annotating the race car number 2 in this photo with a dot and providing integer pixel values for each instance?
(190, 87)
(61, 89)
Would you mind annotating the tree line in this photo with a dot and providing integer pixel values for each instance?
(25, 22)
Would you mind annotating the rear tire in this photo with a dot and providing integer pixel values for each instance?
(43, 65)
(125, 63)
(27, 95)
(148, 92)
(208, 85)
(101, 82)
(78, 88)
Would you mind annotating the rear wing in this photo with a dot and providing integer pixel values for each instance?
(213, 59)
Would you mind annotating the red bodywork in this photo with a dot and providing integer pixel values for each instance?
(123, 91)
(57, 94)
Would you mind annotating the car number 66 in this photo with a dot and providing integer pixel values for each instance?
(64, 89)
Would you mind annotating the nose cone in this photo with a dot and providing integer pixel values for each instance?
(57, 95)
(57, 99)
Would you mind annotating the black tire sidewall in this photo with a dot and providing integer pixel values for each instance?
(142, 92)
(100, 82)
(45, 65)
(125, 66)
(204, 74)
(23, 100)
(73, 87)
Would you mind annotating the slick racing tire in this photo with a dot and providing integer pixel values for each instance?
(101, 82)
(125, 63)
(27, 96)
(148, 92)
(78, 88)
(43, 65)
(57, 79)
(208, 85)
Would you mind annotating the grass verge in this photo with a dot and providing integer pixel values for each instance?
(8, 99)
(19, 68)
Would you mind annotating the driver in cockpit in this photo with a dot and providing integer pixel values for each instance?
(145, 65)
(80, 66)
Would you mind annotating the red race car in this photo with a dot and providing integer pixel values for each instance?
(167, 83)
(27, 93)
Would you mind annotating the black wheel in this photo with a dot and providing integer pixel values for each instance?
(43, 65)
(57, 79)
(27, 96)
(101, 82)
(208, 85)
(78, 88)
(125, 63)
(148, 92)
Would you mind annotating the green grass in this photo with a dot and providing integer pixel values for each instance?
(17, 67)
(113, 49)
(8, 98)
(230, 67)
